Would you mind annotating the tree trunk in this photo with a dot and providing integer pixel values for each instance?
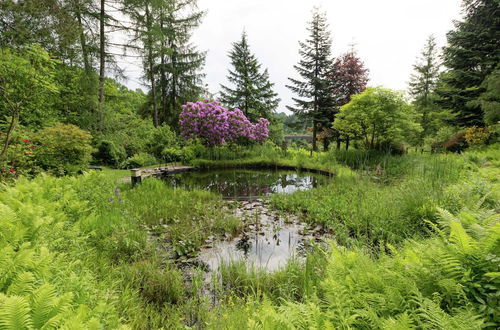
(163, 76)
(151, 68)
(12, 125)
(102, 54)
(347, 143)
(83, 41)
(314, 141)
(326, 144)
(338, 142)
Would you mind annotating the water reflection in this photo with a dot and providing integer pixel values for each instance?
(268, 241)
(246, 184)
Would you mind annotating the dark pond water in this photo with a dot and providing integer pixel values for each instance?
(244, 184)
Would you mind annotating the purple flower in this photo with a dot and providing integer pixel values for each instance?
(215, 125)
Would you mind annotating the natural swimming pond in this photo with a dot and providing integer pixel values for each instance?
(246, 184)
(269, 238)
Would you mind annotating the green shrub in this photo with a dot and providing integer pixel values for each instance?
(172, 155)
(109, 153)
(140, 160)
(161, 137)
(63, 149)
(392, 148)
(20, 156)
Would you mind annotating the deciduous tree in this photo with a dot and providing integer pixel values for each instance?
(376, 116)
(349, 77)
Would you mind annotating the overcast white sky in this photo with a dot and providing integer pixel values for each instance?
(388, 34)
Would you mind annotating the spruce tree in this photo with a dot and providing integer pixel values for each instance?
(422, 88)
(253, 92)
(471, 55)
(314, 99)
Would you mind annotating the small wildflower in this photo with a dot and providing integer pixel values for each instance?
(26, 141)
(12, 171)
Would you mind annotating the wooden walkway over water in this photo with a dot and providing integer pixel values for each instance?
(137, 174)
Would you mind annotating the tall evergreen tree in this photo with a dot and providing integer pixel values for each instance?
(471, 55)
(49, 23)
(253, 92)
(172, 65)
(314, 97)
(422, 88)
(349, 77)
(180, 63)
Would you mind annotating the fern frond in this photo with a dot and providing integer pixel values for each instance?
(460, 238)
(43, 301)
(22, 284)
(15, 313)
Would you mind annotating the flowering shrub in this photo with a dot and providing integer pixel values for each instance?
(19, 158)
(216, 125)
(477, 135)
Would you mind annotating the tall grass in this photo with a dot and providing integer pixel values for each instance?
(448, 281)
(78, 253)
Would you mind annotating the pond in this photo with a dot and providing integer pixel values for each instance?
(246, 184)
(269, 238)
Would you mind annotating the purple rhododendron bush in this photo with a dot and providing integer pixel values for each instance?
(216, 125)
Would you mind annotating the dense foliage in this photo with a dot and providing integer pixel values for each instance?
(471, 55)
(376, 116)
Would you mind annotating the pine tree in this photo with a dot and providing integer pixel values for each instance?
(253, 92)
(471, 55)
(314, 98)
(349, 77)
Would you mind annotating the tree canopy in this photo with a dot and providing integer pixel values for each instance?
(376, 116)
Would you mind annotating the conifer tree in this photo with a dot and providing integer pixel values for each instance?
(314, 97)
(422, 88)
(171, 64)
(253, 92)
(180, 62)
(471, 55)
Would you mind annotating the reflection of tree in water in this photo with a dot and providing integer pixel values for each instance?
(244, 244)
(245, 183)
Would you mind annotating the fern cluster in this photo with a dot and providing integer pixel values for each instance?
(450, 281)
(42, 284)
